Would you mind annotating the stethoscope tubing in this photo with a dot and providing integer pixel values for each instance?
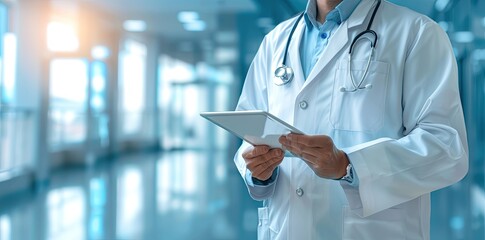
(291, 36)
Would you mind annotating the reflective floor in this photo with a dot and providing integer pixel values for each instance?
(176, 195)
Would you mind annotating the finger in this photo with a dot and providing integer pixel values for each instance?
(264, 159)
(293, 149)
(272, 158)
(302, 148)
(288, 144)
(266, 174)
(282, 139)
(306, 150)
(255, 151)
(263, 169)
(273, 153)
(308, 157)
(307, 140)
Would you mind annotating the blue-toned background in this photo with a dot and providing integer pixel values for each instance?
(100, 136)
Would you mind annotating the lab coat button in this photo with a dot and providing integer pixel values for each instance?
(299, 192)
(303, 105)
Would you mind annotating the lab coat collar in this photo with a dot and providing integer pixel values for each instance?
(341, 12)
(360, 13)
(338, 40)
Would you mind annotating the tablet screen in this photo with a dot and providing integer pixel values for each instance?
(255, 127)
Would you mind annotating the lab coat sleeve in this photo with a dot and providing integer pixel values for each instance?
(433, 152)
(254, 97)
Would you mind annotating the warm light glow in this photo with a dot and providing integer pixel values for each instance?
(62, 37)
(100, 52)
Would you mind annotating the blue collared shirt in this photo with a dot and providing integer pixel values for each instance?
(316, 35)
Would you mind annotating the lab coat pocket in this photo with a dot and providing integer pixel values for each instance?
(361, 110)
(387, 224)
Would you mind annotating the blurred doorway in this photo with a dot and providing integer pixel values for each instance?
(78, 105)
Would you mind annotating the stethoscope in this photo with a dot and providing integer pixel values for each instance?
(284, 74)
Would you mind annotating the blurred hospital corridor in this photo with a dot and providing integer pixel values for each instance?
(100, 132)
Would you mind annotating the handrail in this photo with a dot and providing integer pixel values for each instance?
(8, 109)
(16, 142)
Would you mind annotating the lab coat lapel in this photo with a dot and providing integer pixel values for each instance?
(340, 39)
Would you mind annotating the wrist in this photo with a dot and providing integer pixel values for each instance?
(348, 175)
(266, 182)
(344, 160)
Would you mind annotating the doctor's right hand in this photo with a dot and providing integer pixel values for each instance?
(262, 161)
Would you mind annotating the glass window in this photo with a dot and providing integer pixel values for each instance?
(15, 124)
(6, 90)
(68, 97)
(132, 86)
(8, 67)
(98, 102)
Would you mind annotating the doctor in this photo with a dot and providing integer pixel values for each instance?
(375, 87)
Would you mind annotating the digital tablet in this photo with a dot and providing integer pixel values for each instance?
(255, 127)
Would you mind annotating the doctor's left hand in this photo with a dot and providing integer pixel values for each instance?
(319, 152)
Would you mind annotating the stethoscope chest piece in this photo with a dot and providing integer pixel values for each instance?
(283, 75)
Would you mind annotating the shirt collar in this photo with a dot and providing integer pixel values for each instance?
(341, 13)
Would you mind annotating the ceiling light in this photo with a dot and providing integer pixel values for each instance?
(135, 25)
(187, 17)
(478, 54)
(440, 5)
(463, 37)
(444, 25)
(195, 26)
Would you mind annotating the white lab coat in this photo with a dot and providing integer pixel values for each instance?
(405, 137)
